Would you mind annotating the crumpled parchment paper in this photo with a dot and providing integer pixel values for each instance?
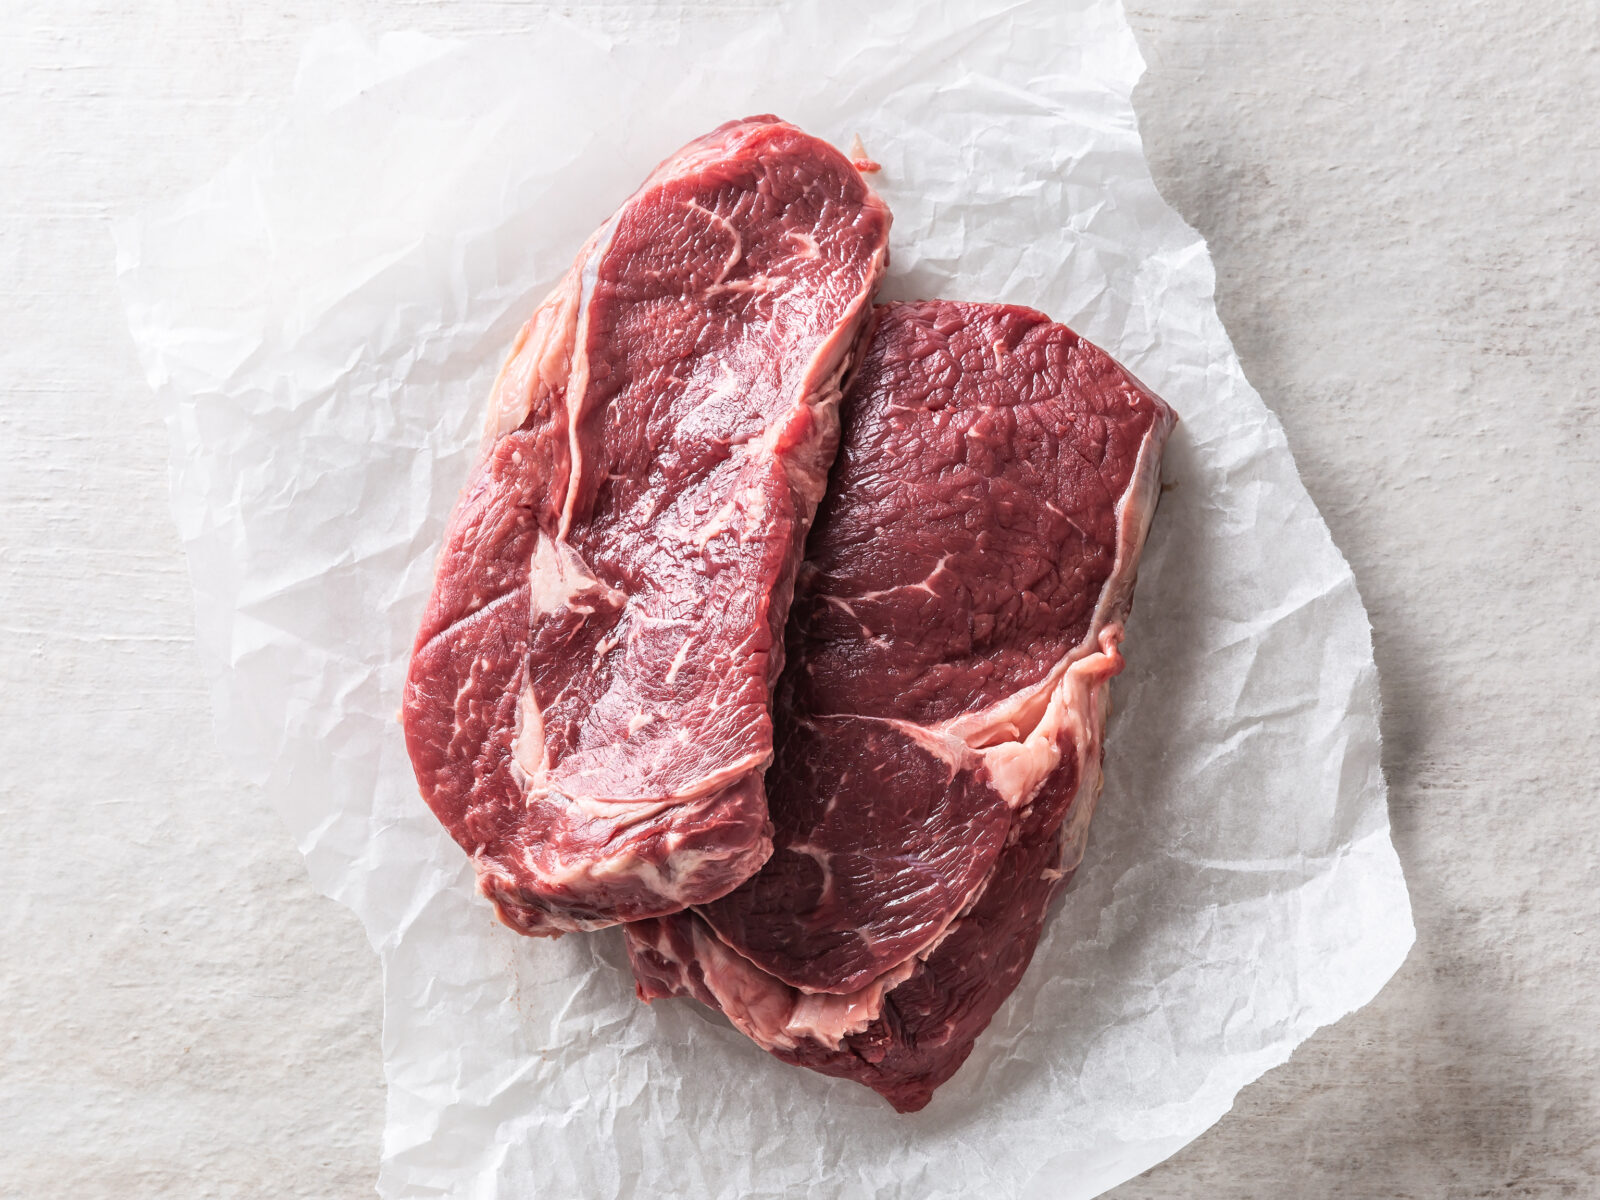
(322, 321)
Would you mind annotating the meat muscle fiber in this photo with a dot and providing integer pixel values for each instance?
(940, 718)
(588, 704)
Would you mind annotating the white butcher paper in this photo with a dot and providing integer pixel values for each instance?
(322, 322)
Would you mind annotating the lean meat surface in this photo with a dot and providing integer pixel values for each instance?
(588, 704)
(941, 715)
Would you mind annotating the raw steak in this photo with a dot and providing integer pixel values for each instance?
(940, 719)
(588, 704)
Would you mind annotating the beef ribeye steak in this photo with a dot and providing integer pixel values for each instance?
(587, 709)
(940, 718)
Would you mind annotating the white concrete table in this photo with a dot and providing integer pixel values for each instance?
(1403, 204)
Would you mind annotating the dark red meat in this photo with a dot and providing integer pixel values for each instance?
(587, 708)
(941, 715)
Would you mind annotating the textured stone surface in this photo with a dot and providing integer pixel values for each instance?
(1401, 200)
